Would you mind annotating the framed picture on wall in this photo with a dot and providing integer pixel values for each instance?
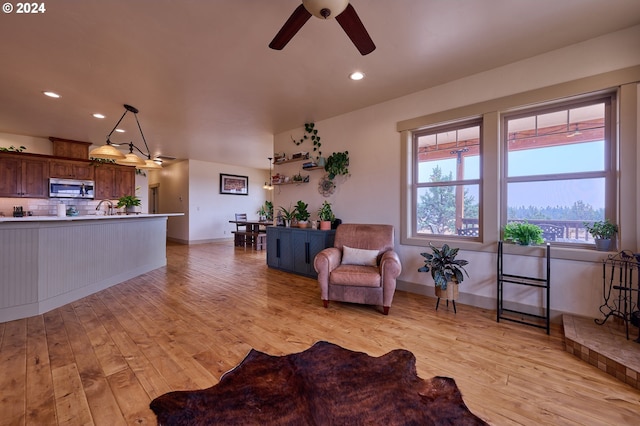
(234, 184)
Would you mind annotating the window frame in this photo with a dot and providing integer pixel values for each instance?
(610, 154)
(416, 185)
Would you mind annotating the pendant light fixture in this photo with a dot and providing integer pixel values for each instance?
(109, 150)
(269, 185)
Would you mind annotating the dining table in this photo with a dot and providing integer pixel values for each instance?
(253, 225)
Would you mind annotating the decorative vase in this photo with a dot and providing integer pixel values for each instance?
(603, 244)
(321, 161)
(325, 225)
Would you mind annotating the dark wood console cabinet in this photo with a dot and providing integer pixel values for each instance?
(293, 249)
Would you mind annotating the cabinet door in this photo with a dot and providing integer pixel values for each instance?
(70, 170)
(125, 181)
(285, 242)
(105, 179)
(300, 251)
(10, 177)
(34, 178)
(273, 249)
(318, 241)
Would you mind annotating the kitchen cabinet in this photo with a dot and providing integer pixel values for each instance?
(293, 249)
(23, 175)
(113, 181)
(68, 169)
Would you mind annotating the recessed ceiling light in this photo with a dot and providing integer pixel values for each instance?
(356, 75)
(119, 130)
(98, 115)
(51, 94)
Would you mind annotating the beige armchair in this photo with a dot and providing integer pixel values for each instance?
(361, 267)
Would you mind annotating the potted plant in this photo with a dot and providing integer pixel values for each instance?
(268, 205)
(446, 270)
(287, 215)
(262, 213)
(337, 164)
(326, 216)
(302, 214)
(129, 202)
(523, 233)
(602, 233)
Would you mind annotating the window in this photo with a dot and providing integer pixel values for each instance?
(446, 185)
(558, 169)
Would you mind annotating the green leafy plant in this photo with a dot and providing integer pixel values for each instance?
(13, 149)
(268, 205)
(128, 201)
(337, 164)
(523, 233)
(602, 229)
(325, 212)
(300, 211)
(287, 214)
(443, 265)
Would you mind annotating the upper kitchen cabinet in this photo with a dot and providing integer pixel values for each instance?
(67, 148)
(23, 175)
(71, 169)
(113, 181)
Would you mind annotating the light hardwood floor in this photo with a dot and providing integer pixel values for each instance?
(102, 359)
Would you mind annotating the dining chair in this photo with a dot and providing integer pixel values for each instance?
(241, 233)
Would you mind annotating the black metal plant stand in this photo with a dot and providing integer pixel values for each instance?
(620, 292)
(543, 283)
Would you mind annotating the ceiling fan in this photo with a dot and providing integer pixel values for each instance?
(344, 13)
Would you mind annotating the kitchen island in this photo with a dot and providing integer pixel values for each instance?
(48, 261)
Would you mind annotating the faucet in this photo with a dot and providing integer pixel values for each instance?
(109, 211)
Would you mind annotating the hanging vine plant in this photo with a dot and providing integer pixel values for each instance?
(310, 133)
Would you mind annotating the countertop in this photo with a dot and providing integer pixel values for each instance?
(83, 217)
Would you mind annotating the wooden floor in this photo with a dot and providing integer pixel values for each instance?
(102, 359)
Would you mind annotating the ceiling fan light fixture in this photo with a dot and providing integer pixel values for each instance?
(325, 9)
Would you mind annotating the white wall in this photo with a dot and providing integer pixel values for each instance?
(371, 193)
(192, 187)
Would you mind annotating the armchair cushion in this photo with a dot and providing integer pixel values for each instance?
(356, 275)
(354, 256)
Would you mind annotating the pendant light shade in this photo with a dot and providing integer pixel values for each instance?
(131, 160)
(108, 152)
(269, 185)
(150, 165)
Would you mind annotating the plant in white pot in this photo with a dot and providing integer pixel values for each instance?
(602, 233)
(287, 215)
(447, 271)
(326, 216)
(129, 202)
(302, 214)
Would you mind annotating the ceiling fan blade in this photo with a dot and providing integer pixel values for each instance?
(297, 19)
(352, 25)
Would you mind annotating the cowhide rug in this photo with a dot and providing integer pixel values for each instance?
(324, 385)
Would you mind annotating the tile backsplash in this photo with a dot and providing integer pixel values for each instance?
(48, 206)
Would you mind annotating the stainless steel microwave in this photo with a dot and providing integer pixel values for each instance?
(71, 188)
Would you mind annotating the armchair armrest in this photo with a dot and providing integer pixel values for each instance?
(390, 264)
(325, 262)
